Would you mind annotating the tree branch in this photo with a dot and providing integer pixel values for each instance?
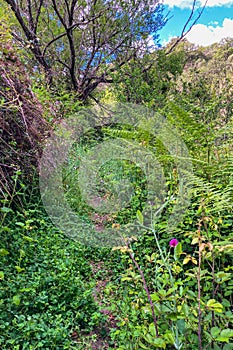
(73, 26)
(38, 14)
(32, 38)
(184, 31)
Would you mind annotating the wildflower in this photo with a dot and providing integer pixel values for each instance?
(173, 242)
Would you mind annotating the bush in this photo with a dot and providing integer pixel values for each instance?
(45, 289)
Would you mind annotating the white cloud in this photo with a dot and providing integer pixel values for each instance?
(166, 41)
(204, 35)
(188, 3)
(213, 23)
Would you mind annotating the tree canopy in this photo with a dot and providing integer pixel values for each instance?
(83, 42)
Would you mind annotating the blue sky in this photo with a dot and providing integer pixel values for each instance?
(215, 23)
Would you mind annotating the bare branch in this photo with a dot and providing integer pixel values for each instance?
(30, 19)
(92, 39)
(38, 14)
(32, 38)
(184, 31)
(73, 26)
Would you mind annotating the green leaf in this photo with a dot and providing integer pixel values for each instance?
(222, 276)
(194, 240)
(186, 309)
(156, 342)
(227, 333)
(215, 331)
(181, 325)
(143, 346)
(4, 252)
(173, 316)
(152, 330)
(16, 300)
(29, 239)
(214, 306)
(19, 269)
(5, 210)
(27, 290)
(5, 228)
(186, 260)
(169, 338)
(1, 275)
(139, 217)
(177, 251)
(222, 339)
(154, 297)
(160, 343)
(21, 224)
(126, 279)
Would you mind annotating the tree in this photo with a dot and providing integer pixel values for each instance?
(83, 42)
(149, 79)
(205, 86)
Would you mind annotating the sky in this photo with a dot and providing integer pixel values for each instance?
(215, 23)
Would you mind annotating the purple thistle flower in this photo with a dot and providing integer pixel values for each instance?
(173, 242)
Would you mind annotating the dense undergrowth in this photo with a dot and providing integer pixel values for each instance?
(48, 285)
(161, 289)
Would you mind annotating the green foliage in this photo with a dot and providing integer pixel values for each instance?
(175, 299)
(80, 45)
(50, 296)
(5, 22)
(46, 292)
(149, 80)
(22, 126)
(171, 275)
